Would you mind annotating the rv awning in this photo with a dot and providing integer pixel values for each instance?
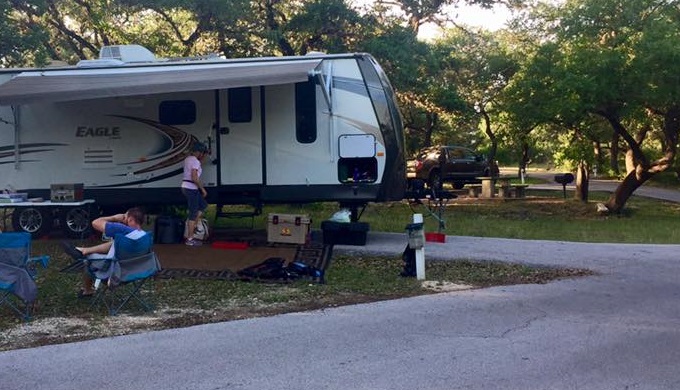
(83, 84)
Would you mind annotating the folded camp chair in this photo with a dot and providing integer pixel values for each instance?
(17, 273)
(119, 279)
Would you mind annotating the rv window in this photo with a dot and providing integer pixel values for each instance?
(305, 112)
(357, 170)
(240, 105)
(177, 112)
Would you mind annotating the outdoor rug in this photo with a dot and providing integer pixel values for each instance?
(207, 262)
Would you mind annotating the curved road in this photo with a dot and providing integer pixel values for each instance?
(619, 329)
(599, 185)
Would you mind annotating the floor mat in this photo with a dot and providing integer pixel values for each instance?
(206, 262)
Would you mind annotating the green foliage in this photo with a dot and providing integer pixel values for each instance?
(19, 42)
(326, 25)
(545, 85)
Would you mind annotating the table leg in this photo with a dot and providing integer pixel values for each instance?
(488, 190)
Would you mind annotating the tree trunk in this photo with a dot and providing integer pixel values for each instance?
(599, 162)
(274, 26)
(630, 161)
(582, 182)
(524, 160)
(432, 120)
(614, 155)
(644, 169)
(630, 183)
(491, 135)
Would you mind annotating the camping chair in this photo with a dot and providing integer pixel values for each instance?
(18, 270)
(119, 278)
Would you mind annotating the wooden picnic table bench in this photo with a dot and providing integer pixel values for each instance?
(474, 190)
(503, 187)
(508, 190)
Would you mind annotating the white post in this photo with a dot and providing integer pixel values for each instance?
(420, 252)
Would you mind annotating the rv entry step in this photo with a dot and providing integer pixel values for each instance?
(239, 211)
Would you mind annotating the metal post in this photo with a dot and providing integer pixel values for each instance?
(420, 252)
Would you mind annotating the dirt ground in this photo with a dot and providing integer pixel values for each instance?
(57, 330)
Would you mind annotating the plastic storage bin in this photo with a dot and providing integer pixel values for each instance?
(168, 230)
(344, 233)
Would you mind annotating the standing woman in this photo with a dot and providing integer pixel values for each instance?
(193, 189)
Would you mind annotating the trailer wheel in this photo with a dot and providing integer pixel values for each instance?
(31, 220)
(76, 222)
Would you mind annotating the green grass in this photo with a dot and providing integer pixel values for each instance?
(543, 215)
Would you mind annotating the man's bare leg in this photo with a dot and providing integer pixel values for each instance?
(102, 248)
(88, 284)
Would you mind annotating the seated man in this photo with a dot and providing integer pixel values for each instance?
(126, 223)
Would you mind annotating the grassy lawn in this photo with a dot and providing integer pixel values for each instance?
(61, 317)
(543, 215)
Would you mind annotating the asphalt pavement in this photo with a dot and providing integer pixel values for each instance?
(604, 185)
(617, 329)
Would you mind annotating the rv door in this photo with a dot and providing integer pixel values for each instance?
(240, 136)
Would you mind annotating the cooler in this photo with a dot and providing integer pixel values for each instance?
(288, 228)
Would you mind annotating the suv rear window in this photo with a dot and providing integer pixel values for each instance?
(457, 153)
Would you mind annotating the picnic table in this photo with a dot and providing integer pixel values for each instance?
(489, 185)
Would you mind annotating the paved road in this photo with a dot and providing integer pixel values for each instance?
(601, 185)
(619, 329)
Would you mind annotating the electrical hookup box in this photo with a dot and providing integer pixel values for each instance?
(72, 192)
(288, 228)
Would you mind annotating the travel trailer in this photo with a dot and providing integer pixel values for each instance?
(280, 130)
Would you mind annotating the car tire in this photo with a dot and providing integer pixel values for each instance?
(458, 185)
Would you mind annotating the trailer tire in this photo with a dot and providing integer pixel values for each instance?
(76, 222)
(33, 220)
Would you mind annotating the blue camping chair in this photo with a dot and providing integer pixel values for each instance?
(119, 279)
(18, 271)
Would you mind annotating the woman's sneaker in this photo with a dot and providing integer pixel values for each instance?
(192, 242)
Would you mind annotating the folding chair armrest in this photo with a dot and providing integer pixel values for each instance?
(44, 260)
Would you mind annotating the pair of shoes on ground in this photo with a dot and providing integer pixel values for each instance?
(192, 242)
(72, 251)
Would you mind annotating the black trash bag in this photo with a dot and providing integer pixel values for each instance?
(271, 268)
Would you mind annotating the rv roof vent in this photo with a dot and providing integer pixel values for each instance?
(127, 53)
(99, 63)
(315, 53)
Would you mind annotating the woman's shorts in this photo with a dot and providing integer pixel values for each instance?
(195, 202)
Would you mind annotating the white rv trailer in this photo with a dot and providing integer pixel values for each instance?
(280, 130)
